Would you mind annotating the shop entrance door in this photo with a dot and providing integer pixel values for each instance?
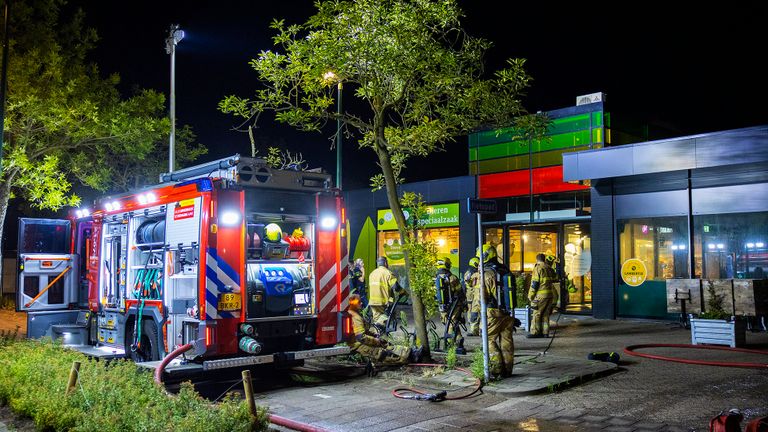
(577, 266)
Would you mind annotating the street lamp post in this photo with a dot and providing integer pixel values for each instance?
(4, 81)
(331, 76)
(175, 35)
(338, 135)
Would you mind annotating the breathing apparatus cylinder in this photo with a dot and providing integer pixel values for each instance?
(442, 291)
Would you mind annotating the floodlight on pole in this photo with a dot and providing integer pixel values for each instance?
(175, 35)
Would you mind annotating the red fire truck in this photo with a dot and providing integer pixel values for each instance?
(246, 263)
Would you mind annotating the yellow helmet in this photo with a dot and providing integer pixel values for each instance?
(444, 263)
(273, 233)
(489, 253)
(474, 262)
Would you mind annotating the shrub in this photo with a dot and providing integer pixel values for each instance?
(111, 396)
(450, 357)
(715, 308)
(477, 367)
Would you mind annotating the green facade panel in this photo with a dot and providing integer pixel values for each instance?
(513, 148)
(559, 126)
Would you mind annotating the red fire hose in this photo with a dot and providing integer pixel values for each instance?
(411, 393)
(295, 425)
(175, 353)
(631, 351)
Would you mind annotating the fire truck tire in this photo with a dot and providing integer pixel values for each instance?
(148, 349)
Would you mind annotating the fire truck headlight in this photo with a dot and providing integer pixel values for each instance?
(230, 218)
(79, 213)
(328, 222)
(108, 206)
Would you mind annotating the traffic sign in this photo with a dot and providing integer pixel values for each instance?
(481, 206)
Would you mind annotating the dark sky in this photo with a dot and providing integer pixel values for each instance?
(694, 70)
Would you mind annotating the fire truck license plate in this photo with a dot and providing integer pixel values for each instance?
(229, 302)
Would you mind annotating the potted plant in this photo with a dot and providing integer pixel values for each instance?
(716, 326)
(523, 311)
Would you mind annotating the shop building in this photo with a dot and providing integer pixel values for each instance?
(539, 211)
(373, 231)
(689, 207)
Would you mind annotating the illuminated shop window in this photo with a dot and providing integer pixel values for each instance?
(660, 243)
(731, 246)
(446, 239)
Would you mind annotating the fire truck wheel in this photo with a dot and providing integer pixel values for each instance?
(147, 349)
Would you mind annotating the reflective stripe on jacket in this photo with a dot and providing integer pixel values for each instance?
(546, 277)
(380, 284)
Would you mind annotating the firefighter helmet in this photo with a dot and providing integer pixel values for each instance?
(489, 253)
(444, 263)
(273, 233)
(474, 262)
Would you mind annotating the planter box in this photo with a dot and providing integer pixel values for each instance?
(718, 332)
(684, 288)
(524, 315)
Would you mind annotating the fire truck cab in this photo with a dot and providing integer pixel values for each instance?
(246, 263)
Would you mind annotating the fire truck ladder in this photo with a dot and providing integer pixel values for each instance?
(252, 172)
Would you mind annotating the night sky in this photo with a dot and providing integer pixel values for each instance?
(693, 71)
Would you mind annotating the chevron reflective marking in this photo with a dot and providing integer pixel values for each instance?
(211, 285)
(327, 276)
(327, 299)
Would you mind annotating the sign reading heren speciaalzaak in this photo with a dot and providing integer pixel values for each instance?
(633, 272)
(438, 215)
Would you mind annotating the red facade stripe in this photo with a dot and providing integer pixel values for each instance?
(516, 183)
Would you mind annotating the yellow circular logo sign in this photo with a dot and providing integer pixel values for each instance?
(633, 272)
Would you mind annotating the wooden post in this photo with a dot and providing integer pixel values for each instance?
(73, 375)
(248, 387)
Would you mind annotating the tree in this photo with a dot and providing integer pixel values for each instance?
(64, 122)
(417, 78)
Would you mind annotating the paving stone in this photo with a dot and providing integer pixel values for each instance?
(618, 429)
(594, 418)
(649, 425)
(620, 421)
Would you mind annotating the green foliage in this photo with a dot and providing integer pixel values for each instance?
(422, 253)
(111, 396)
(450, 357)
(65, 122)
(522, 282)
(477, 366)
(714, 309)
(410, 65)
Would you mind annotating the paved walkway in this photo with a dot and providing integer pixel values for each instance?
(536, 373)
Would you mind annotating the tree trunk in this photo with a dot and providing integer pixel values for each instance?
(5, 196)
(397, 211)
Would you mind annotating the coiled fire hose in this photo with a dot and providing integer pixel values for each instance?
(441, 395)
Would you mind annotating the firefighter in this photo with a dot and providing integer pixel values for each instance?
(357, 280)
(541, 297)
(377, 350)
(384, 289)
(501, 346)
(450, 295)
(473, 297)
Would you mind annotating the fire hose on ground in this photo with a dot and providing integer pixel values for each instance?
(415, 394)
(631, 350)
(274, 419)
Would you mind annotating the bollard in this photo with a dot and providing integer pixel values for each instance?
(248, 387)
(73, 375)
